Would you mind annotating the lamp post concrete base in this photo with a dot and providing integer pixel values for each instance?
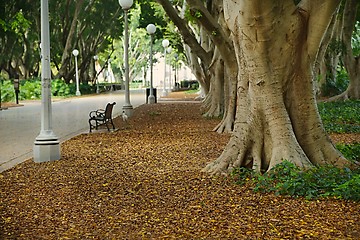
(46, 150)
(164, 93)
(128, 109)
(151, 99)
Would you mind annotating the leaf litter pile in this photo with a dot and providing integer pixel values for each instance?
(144, 181)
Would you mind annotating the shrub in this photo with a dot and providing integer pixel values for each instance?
(84, 88)
(336, 86)
(59, 88)
(288, 179)
(7, 91)
(30, 89)
(350, 151)
(349, 190)
(340, 117)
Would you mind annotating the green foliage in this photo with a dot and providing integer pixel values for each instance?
(19, 23)
(197, 14)
(350, 151)
(317, 182)
(340, 117)
(192, 91)
(152, 12)
(336, 85)
(84, 88)
(323, 181)
(350, 190)
(190, 84)
(355, 41)
(7, 91)
(19, 36)
(59, 88)
(30, 89)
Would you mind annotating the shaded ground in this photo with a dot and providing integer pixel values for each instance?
(144, 182)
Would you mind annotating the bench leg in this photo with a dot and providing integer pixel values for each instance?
(90, 125)
(112, 123)
(96, 125)
(106, 123)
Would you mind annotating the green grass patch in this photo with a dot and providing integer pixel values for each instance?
(192, 91)
(317, 182)
(340, 117)
(350, 151)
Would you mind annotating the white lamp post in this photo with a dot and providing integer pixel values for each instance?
(127, 108)
(151, 28)
(46, 145)
(165, 44)
(96, 75)
(176, 62)
(169, 50)
(75, 52)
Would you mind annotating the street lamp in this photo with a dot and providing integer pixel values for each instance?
(176, 62)
(96, 75)
(75, 52)
(151, 28)
(169, 50)
(46, 145)
(127, 108)
(165, 44)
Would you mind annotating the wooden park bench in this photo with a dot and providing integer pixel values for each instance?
(101, 116)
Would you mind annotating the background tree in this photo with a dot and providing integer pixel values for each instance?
(336, 65)
(88, 25)
(350, 53)
(19, 54)
(208, 44)
(139, 42)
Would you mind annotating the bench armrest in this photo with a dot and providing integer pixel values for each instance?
(97, 113)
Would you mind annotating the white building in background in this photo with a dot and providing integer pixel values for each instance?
(183, 73)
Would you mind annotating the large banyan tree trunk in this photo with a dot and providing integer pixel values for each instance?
(276, 117)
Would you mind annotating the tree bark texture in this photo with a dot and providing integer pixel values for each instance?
(276, 44)
(352, 63)
(65, 59)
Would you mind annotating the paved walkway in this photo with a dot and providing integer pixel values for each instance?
(19, 126)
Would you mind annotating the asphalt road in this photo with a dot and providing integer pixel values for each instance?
(19, 126)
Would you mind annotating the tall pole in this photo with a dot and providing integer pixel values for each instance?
(46, 145)
(151, 96)
(127, 106)
(176, 60)
(165, 44)
(76, 53)
(151, 30)
(164, 87)
(96, 75)
(169, 50)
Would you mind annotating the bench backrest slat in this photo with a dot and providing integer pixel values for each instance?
(108, 110)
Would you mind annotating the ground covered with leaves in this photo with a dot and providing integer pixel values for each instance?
(144, 181)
